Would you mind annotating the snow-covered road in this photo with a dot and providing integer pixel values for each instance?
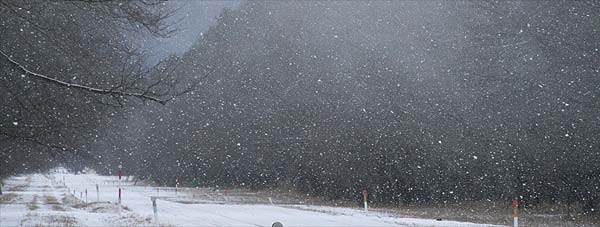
(44, 199)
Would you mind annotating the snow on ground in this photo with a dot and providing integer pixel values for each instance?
(47, 200)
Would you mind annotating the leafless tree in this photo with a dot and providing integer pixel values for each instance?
(67, 65)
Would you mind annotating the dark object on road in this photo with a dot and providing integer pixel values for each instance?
(277, 224)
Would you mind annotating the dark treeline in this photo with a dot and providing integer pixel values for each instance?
(417, 102)
(414, 101)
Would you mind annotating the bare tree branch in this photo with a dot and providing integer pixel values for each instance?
(143, 96)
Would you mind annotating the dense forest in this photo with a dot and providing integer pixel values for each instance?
(417, 102)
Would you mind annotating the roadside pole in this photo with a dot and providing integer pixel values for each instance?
(86, 200)
(364, 193)
(155, 209)
(120, 174)
(176, 185)
(97, 193)
(516, 212)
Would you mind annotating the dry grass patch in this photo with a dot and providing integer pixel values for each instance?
(64, 221)
(134, 220)
(8, 198)
(477, 212)
(57, 207)
(558, 215)
(46, 221)
(190, 202)
(498, 212)
(50, 199)
(18, 188)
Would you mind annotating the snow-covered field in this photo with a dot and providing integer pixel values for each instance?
(45, 200)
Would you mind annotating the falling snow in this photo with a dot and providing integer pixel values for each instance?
(417, 102)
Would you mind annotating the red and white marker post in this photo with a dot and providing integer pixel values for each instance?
(516, 212)
(120, 174)
(364, 193)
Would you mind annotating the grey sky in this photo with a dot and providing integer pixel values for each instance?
(192, 17)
